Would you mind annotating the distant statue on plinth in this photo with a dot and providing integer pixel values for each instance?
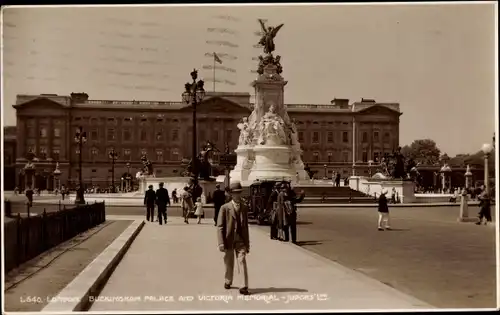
(267, 39)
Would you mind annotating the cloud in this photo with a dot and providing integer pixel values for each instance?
(227, 18)
(222, 43)
(9, 25)
(149, 49)
(222, 30)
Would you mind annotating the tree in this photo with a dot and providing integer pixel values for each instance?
(423, 151)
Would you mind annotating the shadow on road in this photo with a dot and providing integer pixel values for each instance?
(303, 222)
(275, 290)
(306, 243)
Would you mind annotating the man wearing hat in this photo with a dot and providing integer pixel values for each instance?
(383, 212)
(219, 199)
(162, 200)
(233, 236)
(149, 202)
(272, 204)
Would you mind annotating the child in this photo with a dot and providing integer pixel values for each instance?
(383, 212)
(199, 209)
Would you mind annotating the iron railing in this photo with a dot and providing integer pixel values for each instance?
(27, 237)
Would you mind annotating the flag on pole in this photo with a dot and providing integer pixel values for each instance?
(216, 58)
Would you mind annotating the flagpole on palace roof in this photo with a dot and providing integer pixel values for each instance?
(214, 72)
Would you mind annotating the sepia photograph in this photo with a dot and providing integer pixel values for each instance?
(279, 157)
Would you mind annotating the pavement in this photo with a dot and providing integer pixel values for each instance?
(177, 267)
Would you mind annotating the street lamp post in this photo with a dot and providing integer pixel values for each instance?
(80, 139)
(487, 148)
(113, 155)
(194, 94)
(128, 176)
(326, 171)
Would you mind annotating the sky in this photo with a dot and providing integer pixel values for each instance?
(436, 60)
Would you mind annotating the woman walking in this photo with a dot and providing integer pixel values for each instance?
(186, 204)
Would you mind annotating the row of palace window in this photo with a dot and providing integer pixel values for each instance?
(160, 135)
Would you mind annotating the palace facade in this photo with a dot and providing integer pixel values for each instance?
(336, 137)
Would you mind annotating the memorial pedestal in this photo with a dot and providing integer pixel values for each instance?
(272, 163)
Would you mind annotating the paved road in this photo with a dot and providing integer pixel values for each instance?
(429, 255)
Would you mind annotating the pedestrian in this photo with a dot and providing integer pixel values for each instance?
(199, 209)
(219, 199)
(383, 212)
(29, 195)
(485, 208)
(233, 236)
(186, 204)
(162, 201)
(337, 180)
(149, 202)
(290, 226)
(175, 199)
(272, 204)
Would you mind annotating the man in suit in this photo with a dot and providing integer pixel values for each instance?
(271, 204)
(149, 202)
(162, 200)
(290, 226)
(233, 236)
(219, 199)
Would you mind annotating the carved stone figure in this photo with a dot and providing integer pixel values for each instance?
(271, 125)
(267, 39)
(147, 166)
(279, 68)
(245, 132)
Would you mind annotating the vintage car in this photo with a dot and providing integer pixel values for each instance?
(258, 201)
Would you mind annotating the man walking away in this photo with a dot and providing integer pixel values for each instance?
(219, 199)
(383, 212)
(337, 180)
(485, 206)
(291, 200)
(233, 237)
(162, 200)
(149, 202)
(272, 204)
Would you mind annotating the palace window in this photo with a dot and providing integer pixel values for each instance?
(365, 156)
(94, 121)
(330, 154)
(144, 152)
(127, 154)
(316, 156)
(345, 137)
(345, 156)
(127, 135)
(159, 156)
(111, 135)
(94, 153)
(57, 132)
(301, 136)
(315, 138)
(375, 156)
(175, 135)
(144, 135)
(43, 153)
(111, 120)
(175, 154)
(330, 136)
(94, 135)
(375, 137)
(43, 132)
(159, 135)
(365, 137)
(56, 154)
(128, 119)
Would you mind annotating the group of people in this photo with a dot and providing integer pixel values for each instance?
(159, 198)
(283, 204)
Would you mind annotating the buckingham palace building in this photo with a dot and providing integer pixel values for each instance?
(340, 136)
